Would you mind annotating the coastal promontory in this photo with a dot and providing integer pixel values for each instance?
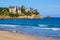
(19, 12)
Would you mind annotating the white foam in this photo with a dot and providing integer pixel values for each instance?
(56, 28)
(47, 28)
(8, 25)
(51, 28)
(41, 25)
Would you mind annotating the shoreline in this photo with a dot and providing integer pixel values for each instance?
(16, 18)
(21, 17)
(5, 35)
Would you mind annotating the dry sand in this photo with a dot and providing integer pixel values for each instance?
(4, 35)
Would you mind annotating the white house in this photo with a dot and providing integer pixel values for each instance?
(13, 9)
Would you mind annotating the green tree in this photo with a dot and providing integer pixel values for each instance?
(29, 13)
(36, 12)
(23, 10)
(4, 9)
(1, 9)
(13, 15)
(1, 13)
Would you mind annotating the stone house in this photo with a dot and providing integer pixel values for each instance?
(19, 11)
(13, 9)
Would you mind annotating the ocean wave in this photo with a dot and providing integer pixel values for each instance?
(41, 25)
(8, 25)
(46, 28)
(51, 28)
(48, 25)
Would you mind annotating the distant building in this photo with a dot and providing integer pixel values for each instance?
(32, 10)
(26, 10)
(13, 9)
(19, 11)
(23, 7)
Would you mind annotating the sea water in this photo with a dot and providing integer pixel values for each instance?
(43, 28)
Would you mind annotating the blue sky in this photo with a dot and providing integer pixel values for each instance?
(45, 7)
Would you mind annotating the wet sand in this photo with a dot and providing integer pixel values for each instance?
(4, 35)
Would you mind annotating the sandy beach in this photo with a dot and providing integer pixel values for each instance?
(4, 35)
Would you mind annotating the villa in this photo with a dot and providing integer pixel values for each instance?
(12, 9)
